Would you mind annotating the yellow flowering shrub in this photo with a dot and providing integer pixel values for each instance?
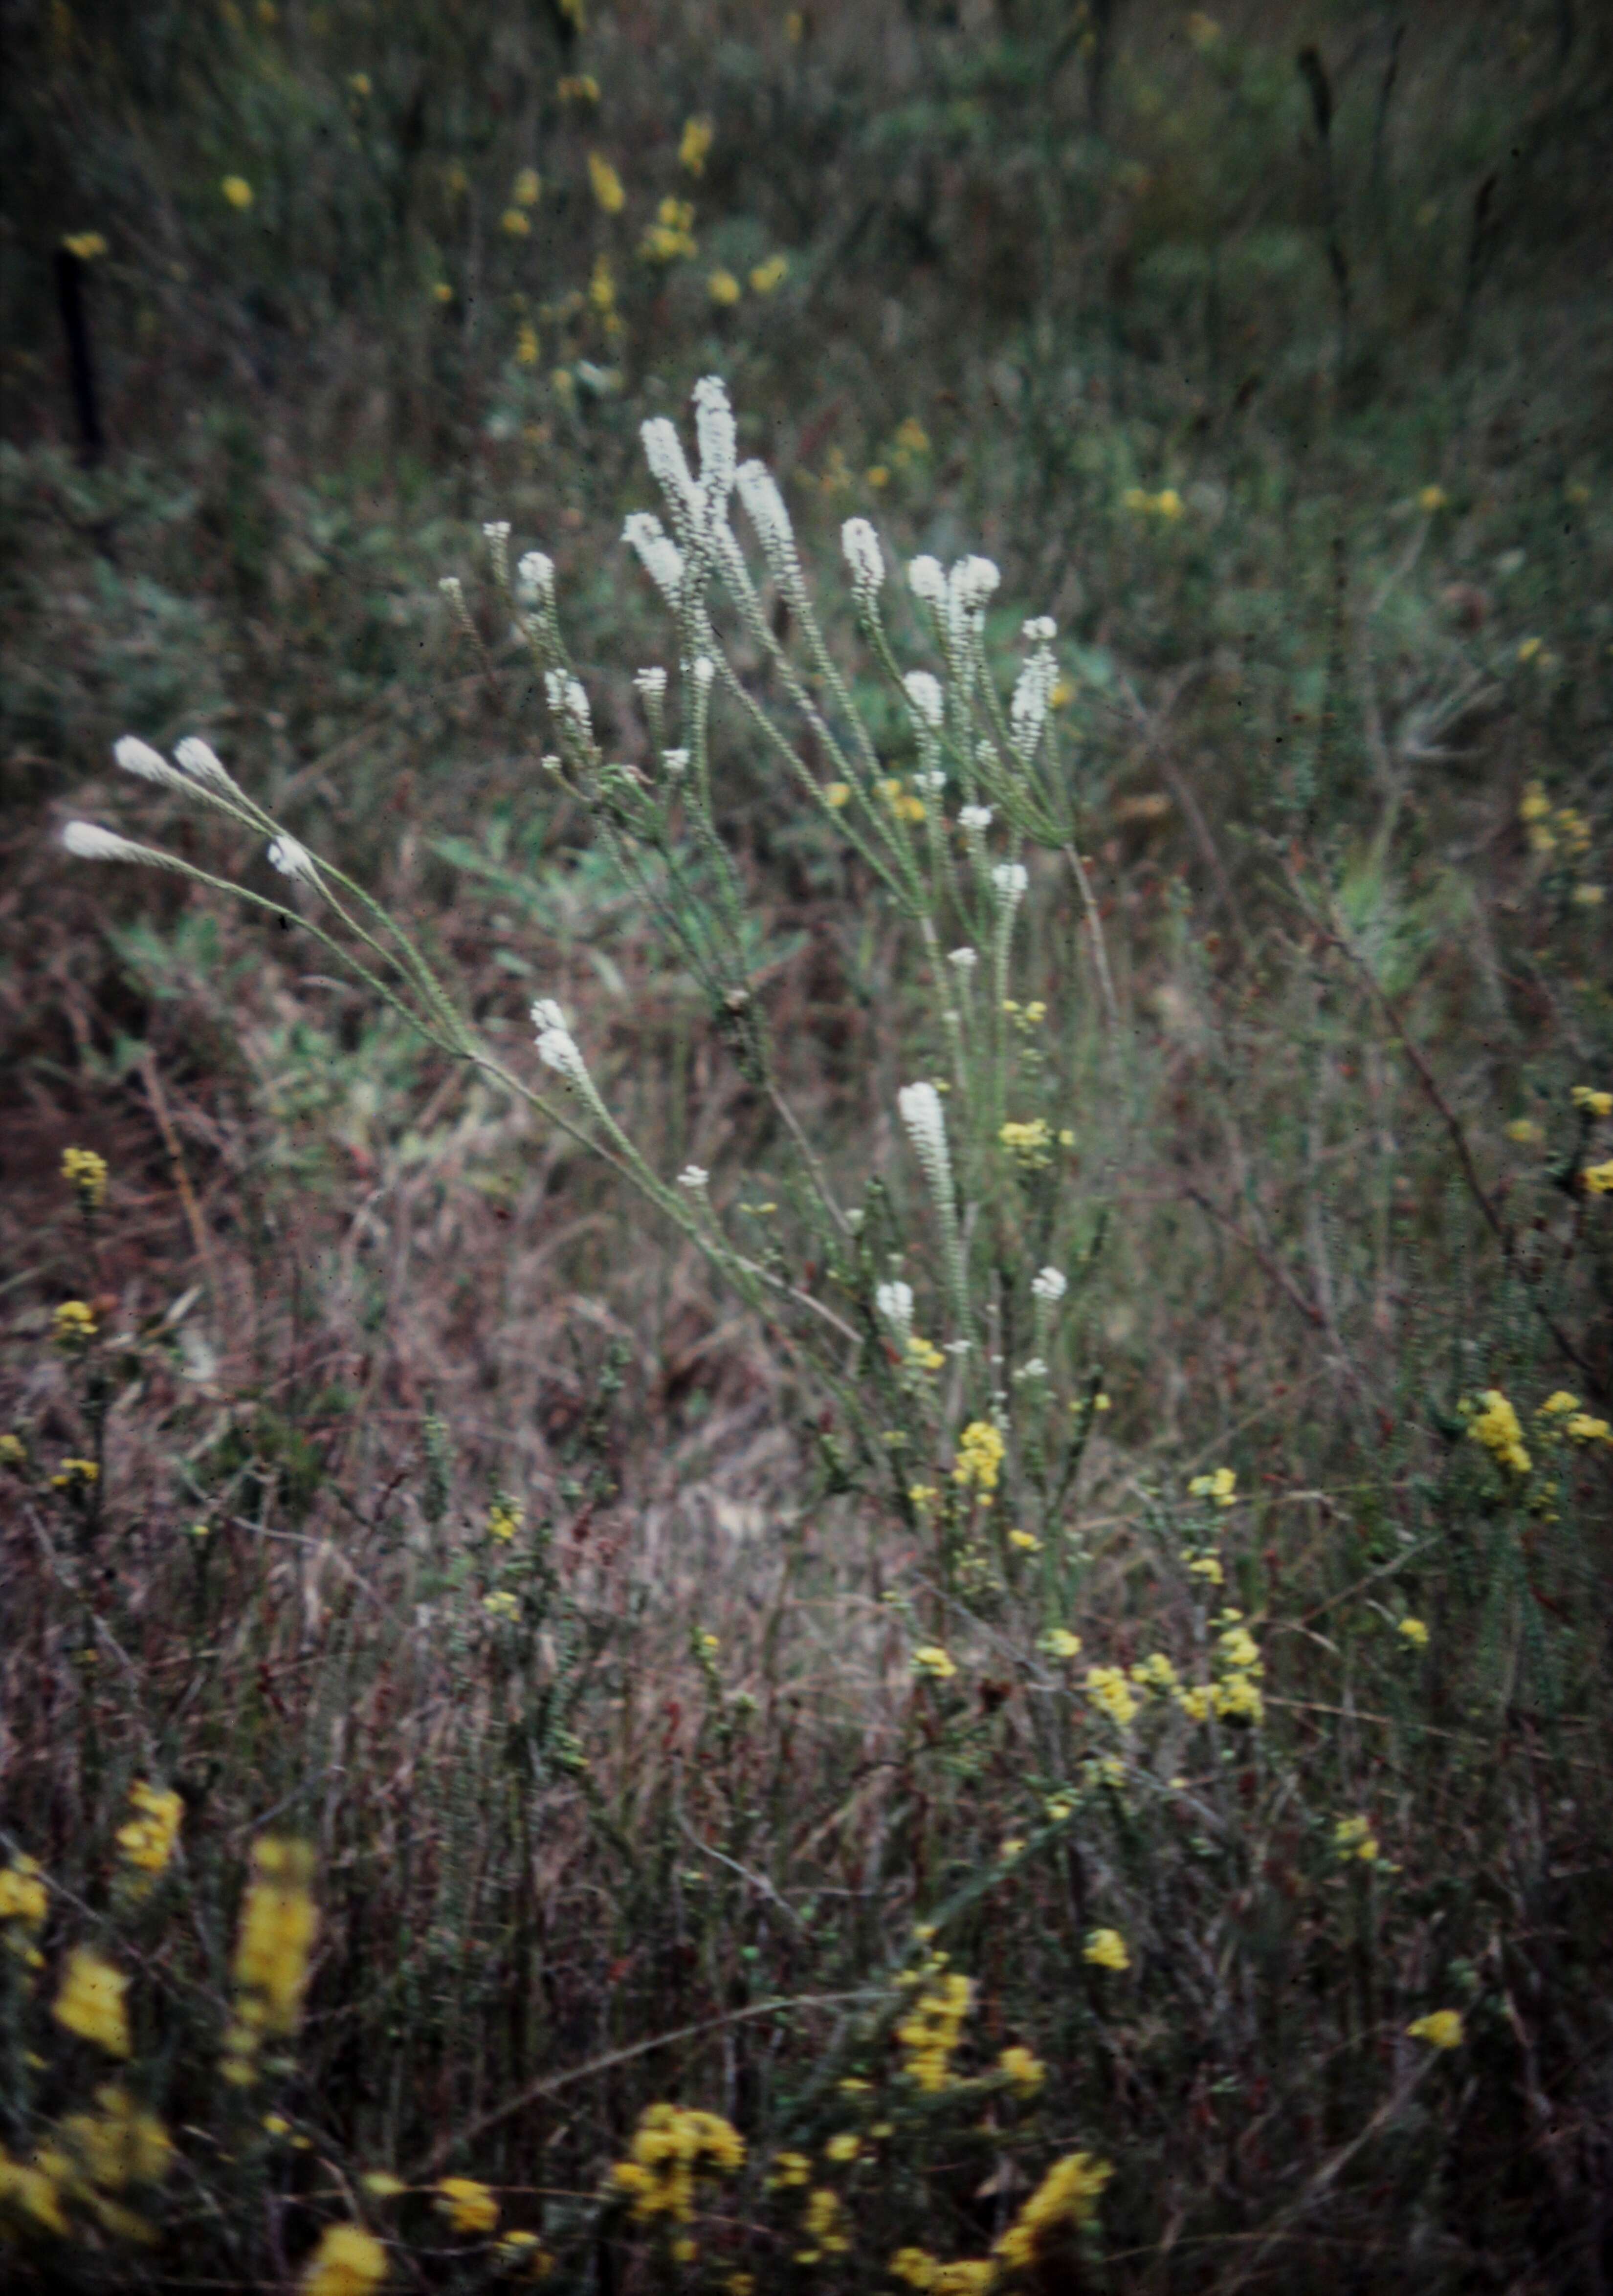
(1442, 2029)
(1067, 2196)
(1496, 1429)
(674, 2149)
(91, 2002)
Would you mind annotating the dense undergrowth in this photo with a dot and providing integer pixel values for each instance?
(809, 1728)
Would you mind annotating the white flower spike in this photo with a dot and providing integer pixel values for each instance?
(292, 860)
(863, 555)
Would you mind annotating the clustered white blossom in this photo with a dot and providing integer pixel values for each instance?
(1033, 688)
(765, 508)
(894, 1302)
(558, 1048)
(920, 1105)
(925, 695)
(568, 701)
(1049, 1285)
(860, 545)
(87, 841)
(292, 860)
(535, 580)
(658, 553)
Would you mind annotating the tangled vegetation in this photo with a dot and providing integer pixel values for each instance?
(805, 1426)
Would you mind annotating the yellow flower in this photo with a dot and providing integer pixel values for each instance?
(930, 1659)
(1155, 1672)
(672, 2147)
(837, 793)
(1068, 2195)
(442, 292)
(1432, 498)
(87, 245)
(380, 2184)
(1222, 1487)
(821, 2221)
(877, 476)
(671, 235)
(1167, 503)
(1525, 1131)
(1058, 1642)
(360, 82)
(1496, 1428)
(1442, 2029)
(1207, 1566)
(526, 2248)
(607, 182)
(348, 2261)
(238, 192)
(147, 1840)
(1108, 1688)
(789, 2169)
(14, 1452)
(1195, 1703)
(1024, 2069)
(1203, 30)
(468, 2206)
(33, 2192)
(1028, 1142)
(516, 222)
(73, 1327)
(1599, 1178)
(694, 145)
(273, 1950)
(1559, 1404)
(1352, 1837)
(723, 288)
(1107, 1949)
(1238, 1700)
(770, 274)
(1583, 1429)
(75, 1475)
(1527, 650)
(1026, 1541)
(911, 437)
(528, 188)
(929, 2034)
(846, 2146)
(1415, 1632)
(1237, 1647)
(979, 1458)
(580, 87)
(1589, 896)
(501, 1605)
(23, 1899)
(91, 2003)
(1593, 1102)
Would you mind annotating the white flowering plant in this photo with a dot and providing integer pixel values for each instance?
(946, 830)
